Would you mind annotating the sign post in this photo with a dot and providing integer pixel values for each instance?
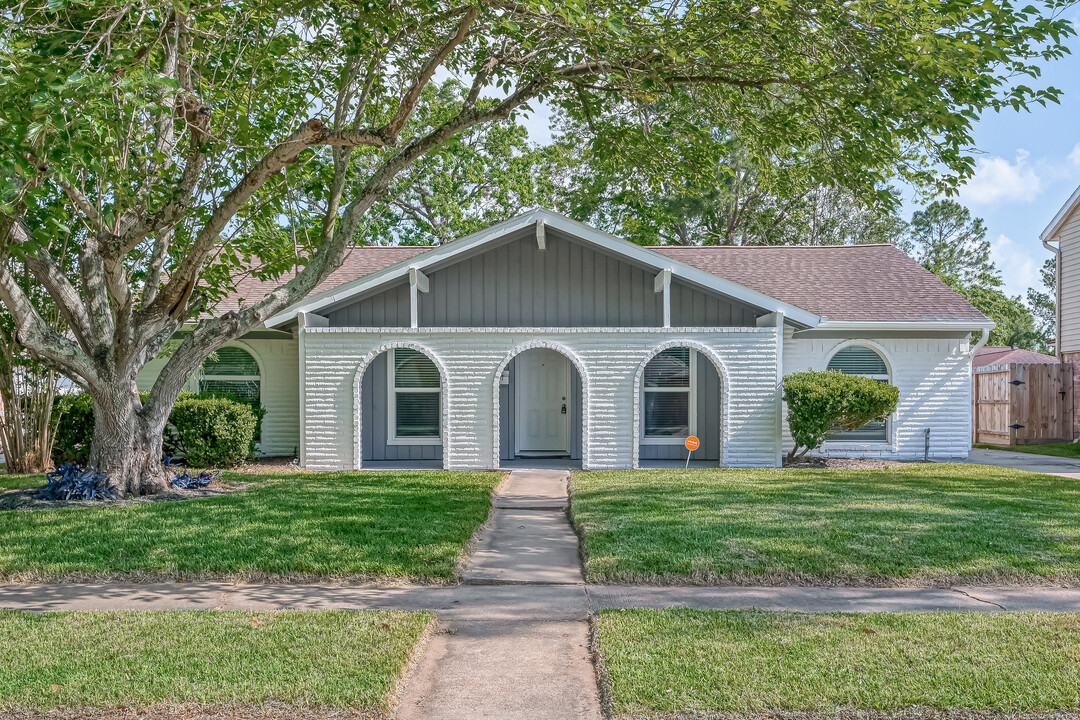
(692, 443)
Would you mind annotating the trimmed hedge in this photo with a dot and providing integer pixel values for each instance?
(74, 419)
(819, 403)
(214, 431)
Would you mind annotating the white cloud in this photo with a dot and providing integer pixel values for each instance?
(1074, 156)
(1018, 268)
(998, 181)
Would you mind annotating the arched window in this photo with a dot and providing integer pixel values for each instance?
(669, 397)
(231, 370)
(865, 361)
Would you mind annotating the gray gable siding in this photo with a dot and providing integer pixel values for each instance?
(374, 426)
(515, 284)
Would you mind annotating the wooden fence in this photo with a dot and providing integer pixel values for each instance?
(1023, 403)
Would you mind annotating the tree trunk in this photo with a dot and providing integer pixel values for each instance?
(126, 445)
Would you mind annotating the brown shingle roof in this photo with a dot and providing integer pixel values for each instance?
(870, 283)
(861, 283)
(358, 263)
(1004, 355)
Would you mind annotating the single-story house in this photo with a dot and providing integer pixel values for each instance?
(541, 337)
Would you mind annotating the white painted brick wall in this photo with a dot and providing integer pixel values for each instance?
(934, 379)
(609, 361)
(279, 363)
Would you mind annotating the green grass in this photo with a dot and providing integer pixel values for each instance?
(740, 661)
(18, 482)
(137, 659)
(407, 524)
(1068, 450)
(926, 524)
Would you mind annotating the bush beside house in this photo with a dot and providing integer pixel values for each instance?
(204, 428)
(821, 403)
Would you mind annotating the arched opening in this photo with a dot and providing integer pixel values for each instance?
(679, 393)
(401, 396)
(866, 361)
(539, 400)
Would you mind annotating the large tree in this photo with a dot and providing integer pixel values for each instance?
(186, 139)
(952, 244)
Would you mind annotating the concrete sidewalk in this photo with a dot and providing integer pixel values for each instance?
(529, 601)
(1049, 464)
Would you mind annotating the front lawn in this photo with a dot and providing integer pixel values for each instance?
(929, 524)
(303, 526)
(207, 658)
(1067, 450)
(711, 661)
(18, 482)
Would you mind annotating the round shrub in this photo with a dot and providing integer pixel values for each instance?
(820, 402)
(214, 431)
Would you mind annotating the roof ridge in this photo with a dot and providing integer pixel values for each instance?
(764, 247)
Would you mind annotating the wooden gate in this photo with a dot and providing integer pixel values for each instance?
(1023, 403)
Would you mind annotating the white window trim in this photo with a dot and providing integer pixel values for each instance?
(841, 443)
(201, 376)
(391, 408)
(692, 389)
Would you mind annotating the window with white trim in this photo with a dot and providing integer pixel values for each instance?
(865, 361)
(414, 402)
(231, 371)
(669, 397)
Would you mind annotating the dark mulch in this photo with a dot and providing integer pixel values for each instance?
(23, 499)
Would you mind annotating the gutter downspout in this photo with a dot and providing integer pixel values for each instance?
(981, 342)
(1057, 296)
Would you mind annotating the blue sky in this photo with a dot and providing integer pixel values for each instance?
(1028, 166)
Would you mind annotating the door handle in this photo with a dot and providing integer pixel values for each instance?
(564, 408)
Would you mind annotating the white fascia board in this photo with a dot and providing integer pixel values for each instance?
(1062, 214)
(859, 326)
(616, 246)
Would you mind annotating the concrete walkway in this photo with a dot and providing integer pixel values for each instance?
(1049, 464)
(518, 659)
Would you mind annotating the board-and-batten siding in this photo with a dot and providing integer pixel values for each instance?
(508, 416)
(1069, 242)
(569, 284)
(376, 420)
(279, 363)
(708, 403)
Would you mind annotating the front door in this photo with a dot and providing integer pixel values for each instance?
(542, 401)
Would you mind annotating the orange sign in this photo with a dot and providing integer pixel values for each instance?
(692, 443)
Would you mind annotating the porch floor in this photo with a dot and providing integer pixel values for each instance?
(540, 464)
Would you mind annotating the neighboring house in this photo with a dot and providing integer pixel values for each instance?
(541, 337)
(991, 355)
(1062, 237)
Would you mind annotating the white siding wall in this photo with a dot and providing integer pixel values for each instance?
(279, 363)
(1069, 238)
(934, 379)
(609, 362)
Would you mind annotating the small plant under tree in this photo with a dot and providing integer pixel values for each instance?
(820, 403)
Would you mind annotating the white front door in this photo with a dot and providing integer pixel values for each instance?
(542, 401)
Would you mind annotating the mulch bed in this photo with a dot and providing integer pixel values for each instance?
(23, 499)
(843, 464)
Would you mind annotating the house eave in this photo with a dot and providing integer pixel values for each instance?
(1048, 235)
(929, 325)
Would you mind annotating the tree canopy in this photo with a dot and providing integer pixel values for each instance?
(177, 146)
